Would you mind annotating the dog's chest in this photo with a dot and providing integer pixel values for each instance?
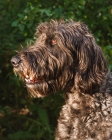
(90, 115)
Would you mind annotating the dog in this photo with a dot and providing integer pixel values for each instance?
(66, 57)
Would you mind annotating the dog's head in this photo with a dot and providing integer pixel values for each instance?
(64, 56)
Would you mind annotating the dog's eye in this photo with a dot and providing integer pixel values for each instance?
(53, 41)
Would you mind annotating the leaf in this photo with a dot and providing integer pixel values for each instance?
(20, 135)
(109, 47)
(43, 116)
(21, 27)
(14, 23)
(20, 15)
(46, 11)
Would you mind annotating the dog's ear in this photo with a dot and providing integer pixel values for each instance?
(91, 67)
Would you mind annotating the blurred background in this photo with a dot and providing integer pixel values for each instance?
(23, 118)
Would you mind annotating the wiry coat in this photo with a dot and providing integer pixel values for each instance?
(66, 57)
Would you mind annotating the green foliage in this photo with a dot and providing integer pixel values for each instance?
(18, 21)
(108, 53)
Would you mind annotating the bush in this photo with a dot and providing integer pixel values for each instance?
(18, 22)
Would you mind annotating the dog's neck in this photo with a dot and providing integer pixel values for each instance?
(83, 103)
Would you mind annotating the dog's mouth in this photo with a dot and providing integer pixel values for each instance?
(37, 84)
(29, 80)
(32, 83)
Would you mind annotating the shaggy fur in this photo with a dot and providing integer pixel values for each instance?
(66, 57)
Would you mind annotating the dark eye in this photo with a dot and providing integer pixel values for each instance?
(53, 41)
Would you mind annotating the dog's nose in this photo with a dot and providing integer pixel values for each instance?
(15, 61)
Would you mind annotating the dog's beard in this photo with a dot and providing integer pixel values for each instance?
(41, 88)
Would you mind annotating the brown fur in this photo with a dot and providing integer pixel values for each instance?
(66, 57)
